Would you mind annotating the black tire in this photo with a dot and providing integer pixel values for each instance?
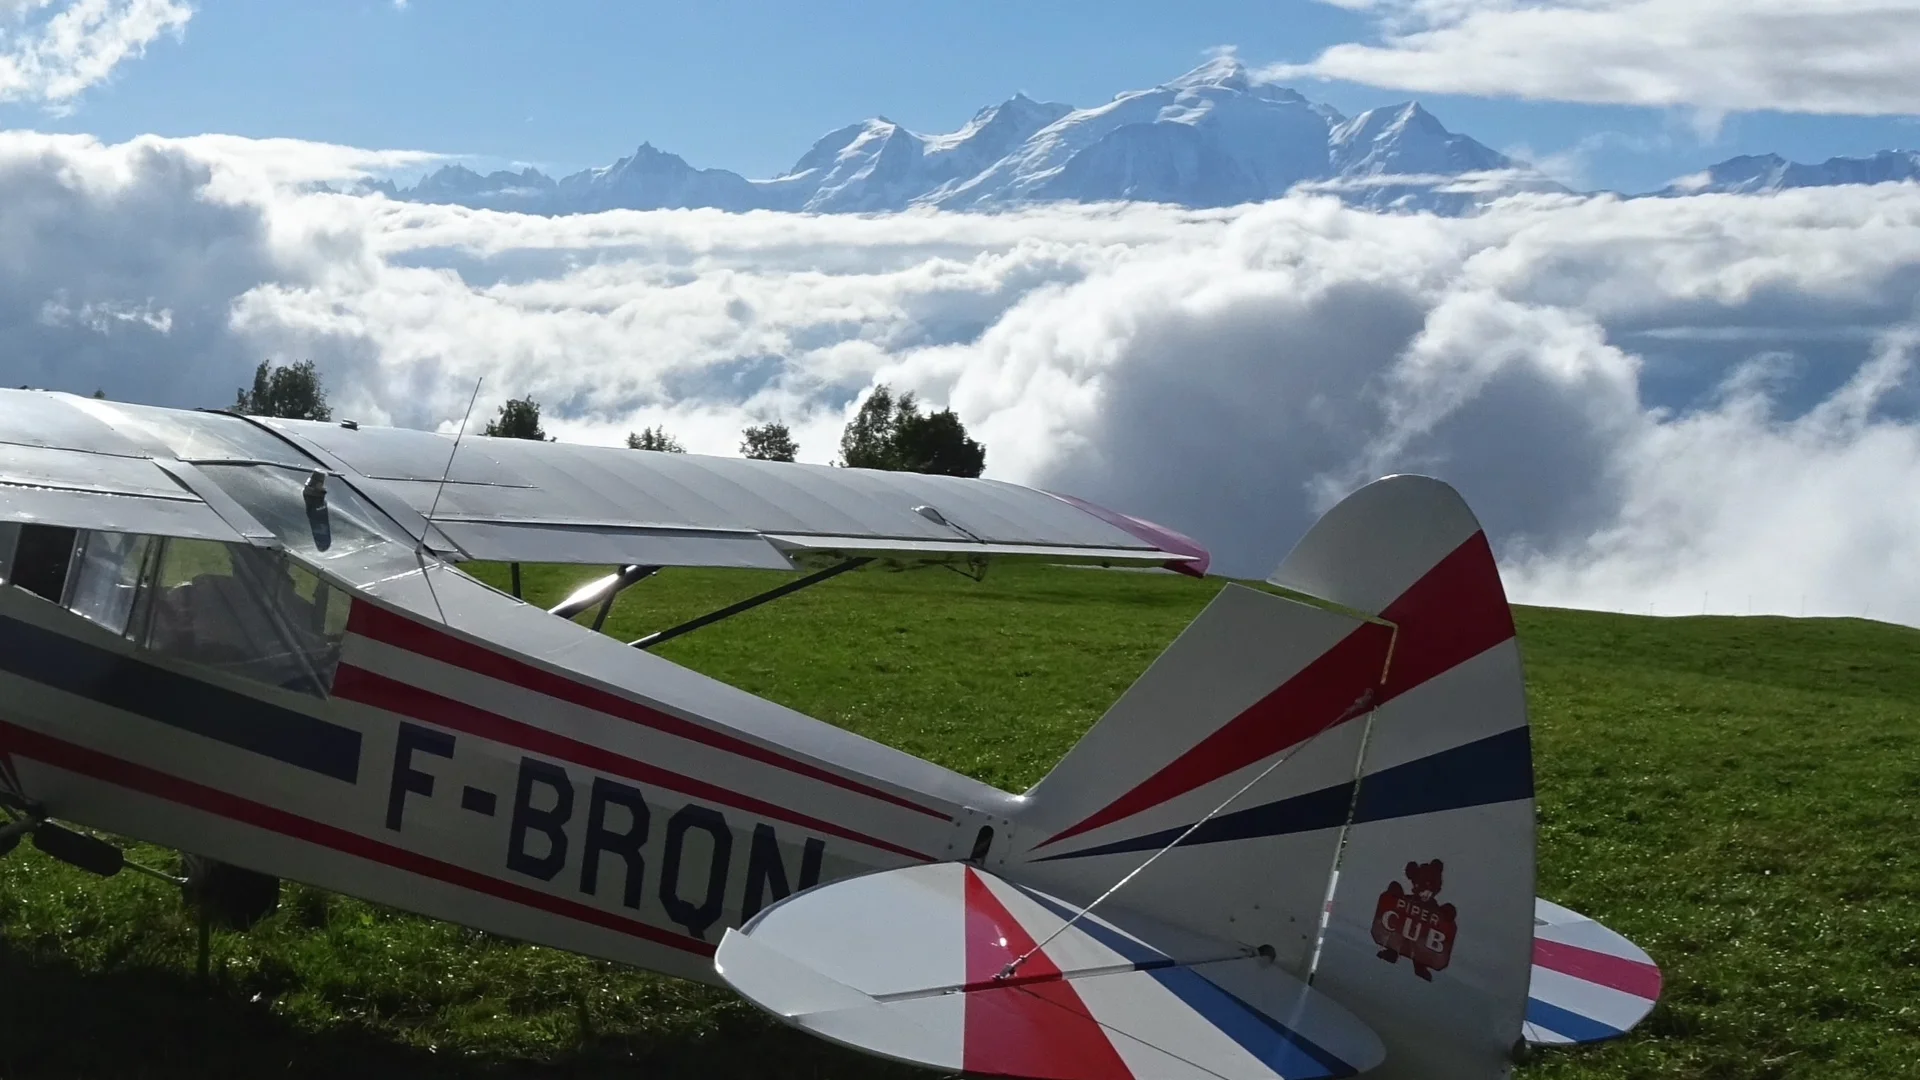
(233, 897)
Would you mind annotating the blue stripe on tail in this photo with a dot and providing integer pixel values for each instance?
(1280, 1048)
(1496, 769)
(1570, 1024)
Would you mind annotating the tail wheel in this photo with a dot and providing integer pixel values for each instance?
(232, 896)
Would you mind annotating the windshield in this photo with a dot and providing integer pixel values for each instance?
(329, 523)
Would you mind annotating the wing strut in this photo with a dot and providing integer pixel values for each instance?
(599, 591)
(748, 604)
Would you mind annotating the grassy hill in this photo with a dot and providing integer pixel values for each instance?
(1739, 796)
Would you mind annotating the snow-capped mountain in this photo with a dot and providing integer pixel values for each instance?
(1401, 155)
(1216, 136)
(1757, 173)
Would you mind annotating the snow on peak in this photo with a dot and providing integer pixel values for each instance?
(1225, 70)
(1751, 174)
(1407, 139)
(1217, 135)
(1227, 73)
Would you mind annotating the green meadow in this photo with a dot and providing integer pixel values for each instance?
(1741, 796)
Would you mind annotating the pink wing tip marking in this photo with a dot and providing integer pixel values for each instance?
(1158, 535)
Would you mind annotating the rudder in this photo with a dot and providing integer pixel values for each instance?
(1430, 932)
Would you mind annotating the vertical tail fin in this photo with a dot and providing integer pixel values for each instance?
(1384, 735)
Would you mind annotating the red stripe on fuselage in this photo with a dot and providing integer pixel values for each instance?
(1037, 1029)
(1618, 972)
(24, 742)
(379, 624)
(1455, 612)
(371, 688)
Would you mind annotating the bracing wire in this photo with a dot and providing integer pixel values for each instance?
(420, 549)
(1360, 705)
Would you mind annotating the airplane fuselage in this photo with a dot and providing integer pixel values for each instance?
(450, 775)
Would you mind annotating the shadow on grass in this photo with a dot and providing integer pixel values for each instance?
(58, 1022)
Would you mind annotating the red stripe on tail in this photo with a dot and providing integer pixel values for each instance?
(1455, 612)
(1041, 1029)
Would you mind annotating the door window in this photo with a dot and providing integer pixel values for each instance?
(252, 613)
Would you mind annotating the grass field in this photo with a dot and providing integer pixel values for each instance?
(1739, 796)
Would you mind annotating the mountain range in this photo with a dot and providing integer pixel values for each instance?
(1217, 136)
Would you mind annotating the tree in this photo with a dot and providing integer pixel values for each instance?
(937, 443)
(291, 392)
(867, 442)
(891, 433)
(654, 439)
(768, 442)
(519, 419)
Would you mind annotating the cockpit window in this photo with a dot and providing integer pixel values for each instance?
(107, 571)
(40, 558)
(245, 611)
(250, 612)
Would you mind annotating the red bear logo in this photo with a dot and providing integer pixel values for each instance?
(1413, 924)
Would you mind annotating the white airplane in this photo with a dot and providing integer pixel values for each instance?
(1300, 845)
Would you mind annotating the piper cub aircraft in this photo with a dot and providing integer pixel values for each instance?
(1300, 845)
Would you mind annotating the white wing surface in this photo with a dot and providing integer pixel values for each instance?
(518, 499)
(85, 463)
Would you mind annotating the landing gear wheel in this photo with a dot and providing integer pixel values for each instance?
(229, 895)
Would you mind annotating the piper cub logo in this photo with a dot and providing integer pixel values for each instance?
(1414, 924)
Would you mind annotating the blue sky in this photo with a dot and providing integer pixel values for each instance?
(749, 85)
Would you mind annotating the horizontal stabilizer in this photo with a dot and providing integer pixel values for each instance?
(1589, 983)
(912, 964)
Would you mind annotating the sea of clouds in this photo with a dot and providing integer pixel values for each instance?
(1654, 405)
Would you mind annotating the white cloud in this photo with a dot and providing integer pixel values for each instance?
(1712, 56)
(52, 51)
(1645, 400)
(102, 317)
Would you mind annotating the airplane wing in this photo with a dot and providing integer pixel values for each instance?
(520, 500)
(64, 465)
(907, 964)
(86, 463)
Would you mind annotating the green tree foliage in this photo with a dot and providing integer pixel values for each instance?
(892, 433)
(867, 442)
(292, 391)
(937, 443)
(654, 438)
(768, 442)
(519, 419)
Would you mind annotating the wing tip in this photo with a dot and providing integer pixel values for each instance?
(1194, 560)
